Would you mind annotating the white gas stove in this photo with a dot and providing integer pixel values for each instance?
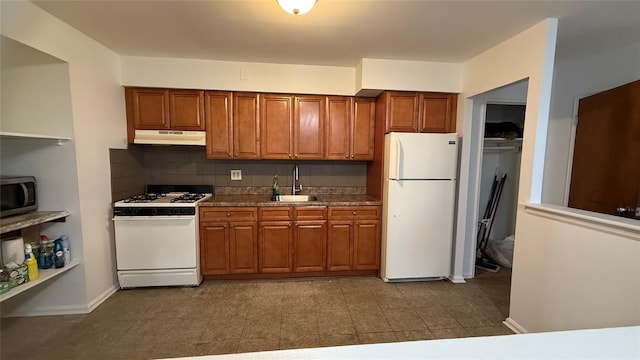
(157, 237)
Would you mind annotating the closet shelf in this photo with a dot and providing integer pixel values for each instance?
(502, 144)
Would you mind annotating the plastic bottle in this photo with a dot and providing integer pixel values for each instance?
(65, 249)
(59, 253)
(276, 187)
(32, 265)
(46, 254)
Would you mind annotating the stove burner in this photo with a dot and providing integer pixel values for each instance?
(187, 198)
(144, 198)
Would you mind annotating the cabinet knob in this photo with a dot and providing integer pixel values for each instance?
(230, 154)
(346, 156)
(352, 156)
(296, 155)
(289, 155)
(289, 225)
(354, 213)
(228, 214)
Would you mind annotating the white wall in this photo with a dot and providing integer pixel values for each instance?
(576, 78)
(97, 105)
(409, 75)
(237, 76)
(528, 55)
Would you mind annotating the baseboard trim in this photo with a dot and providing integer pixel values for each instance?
(457, 279)
(52, 310)
(93, 304)
(514, 326)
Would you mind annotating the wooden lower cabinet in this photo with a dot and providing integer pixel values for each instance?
(243, 249)
(310, 238)
(228, 240)
(353, 238)
(275, 247)
(366, 245)
(340, 245)
(214, 249)
(289, 240)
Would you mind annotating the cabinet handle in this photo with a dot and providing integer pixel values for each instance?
(354, 213)
(352, 156)
(228, 214)
(296, 155)
(230, 154)
(289, 155)
(289, 225)
(224, 226)
(236, 154)
(346, 156)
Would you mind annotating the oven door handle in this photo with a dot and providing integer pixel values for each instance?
(157, 217)
(25, 191)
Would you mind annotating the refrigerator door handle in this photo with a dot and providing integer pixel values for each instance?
(396, 159)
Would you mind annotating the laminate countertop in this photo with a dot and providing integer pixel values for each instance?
(265, 200)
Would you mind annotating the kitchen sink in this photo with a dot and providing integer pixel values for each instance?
(294, 198)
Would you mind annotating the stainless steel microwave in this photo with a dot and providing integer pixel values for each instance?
(17, 195)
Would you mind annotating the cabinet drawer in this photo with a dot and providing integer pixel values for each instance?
(213, 214)
(354, 212)
(275, 213)
(310, 213)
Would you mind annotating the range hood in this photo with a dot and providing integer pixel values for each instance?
(169, 137)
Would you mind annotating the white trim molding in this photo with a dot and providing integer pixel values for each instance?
(514, 326)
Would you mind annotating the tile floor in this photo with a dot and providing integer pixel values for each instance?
(244, 316)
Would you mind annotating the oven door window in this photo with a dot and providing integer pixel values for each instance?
(156, 242)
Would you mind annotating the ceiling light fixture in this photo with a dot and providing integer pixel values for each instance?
(297, 7)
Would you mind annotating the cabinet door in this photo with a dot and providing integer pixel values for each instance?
(363, 126)
(339, 245)
(338, 125)
(276, 129)
(366, 244)
(310, 239)
(214, 249)
(150, 109)
(402, 111)
(219, 127)
(435, 113)
(308, 127)
(246, 126)
(243, 248)
(274, 243)
(187, 109)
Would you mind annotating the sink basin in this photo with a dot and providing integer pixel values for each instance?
(295, 198)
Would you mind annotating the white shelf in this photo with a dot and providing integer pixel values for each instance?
(45, 139)
(502, 144)
(43, 275)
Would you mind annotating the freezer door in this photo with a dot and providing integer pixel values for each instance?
(422, 156)
(418, 229)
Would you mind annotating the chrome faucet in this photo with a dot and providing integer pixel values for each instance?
(296, 187)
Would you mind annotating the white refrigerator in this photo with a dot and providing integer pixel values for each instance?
(418, 203)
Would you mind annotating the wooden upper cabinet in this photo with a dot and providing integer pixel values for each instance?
(276, 130)
(308, 127)
(338, 125)
(363, 126)
(187, 109)
(350, 128)
(246, 126)
(149, 108)
(438, 112)
(401, 111)
(219, 126)
(408, 111)
(164, 109)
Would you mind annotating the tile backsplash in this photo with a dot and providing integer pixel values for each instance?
(139, 165)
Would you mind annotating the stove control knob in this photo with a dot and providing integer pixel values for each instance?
(154, 211)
